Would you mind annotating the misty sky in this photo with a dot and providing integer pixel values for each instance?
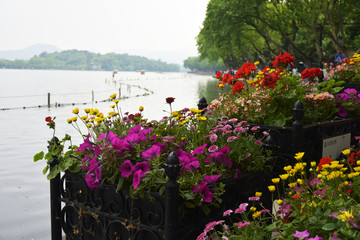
(103, 26)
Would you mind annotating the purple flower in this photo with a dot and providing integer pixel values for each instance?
(187, 160)
(120, 145)
(343, 96)
(213, 148)
(350, 91)
(320, 193)
(137, 178)
(126, 169)
(151, 153)
(231, 139)
(334, 237)
(108, 136)
(199, 150)
(92, 179)
(204, 190)
(334, 215)
(303, 234)
(242, 224)
(227, 212)
(211, 179)
(342, 112)
(93, 164)
(87, 145)
(221, 156)
(143, 166)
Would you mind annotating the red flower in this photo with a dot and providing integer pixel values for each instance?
(311, 73)
(218, 75)
(323, 161)
(351, 160)
(270, 79)
(170, 100)
(245, 70)
(48, 119)
(296, 196)
(283, 60)
(237, 87)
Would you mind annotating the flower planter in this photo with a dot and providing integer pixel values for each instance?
(102, 213)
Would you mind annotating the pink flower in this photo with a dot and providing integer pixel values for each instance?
(199, 150)
(303, 234)
(143, 166)
(242, 224)
(264, 211)
(204, 190)
(211, 179)
(247, 155)
(316, 238)
(254, 198)
(201, 236)
(213, 148)
(231, 139)
(151, 153)
(213, 138)
(137, 178)
(227, 212)
(92, 179)
(255, 128)
(242, 208)
(258, 142)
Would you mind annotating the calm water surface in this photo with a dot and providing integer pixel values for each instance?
(24, 191)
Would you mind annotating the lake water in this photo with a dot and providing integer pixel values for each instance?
(24, 191)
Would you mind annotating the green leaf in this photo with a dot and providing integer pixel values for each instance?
(120, 184)
(329, 227)
(45, 169)
(54, 171)
(206, 210)
(38, 156)
(162, 190)
(189, 204)
(312, 220)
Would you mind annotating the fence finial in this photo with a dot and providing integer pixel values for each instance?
(202, 103)
(298, 112)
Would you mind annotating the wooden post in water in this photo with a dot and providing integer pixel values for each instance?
(119, 92)
(48, 100)
(92, 94)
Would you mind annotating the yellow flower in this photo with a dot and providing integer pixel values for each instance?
(116, 101)
(275, 180)
(113, 96)
(69, 120)
(202, 118)
(284, 176)
(256, 63)
(221, 85)
(358, 162)
(300, 181)
(313, 164)
(141, 108)
(258, 194)
(112, 106)
(288, 168)
(299, 155)
(75, 111)
(87, 110)
(95, 111)
(279, 202)
(271, 188)
(84, 117)
(174, 113)
(89, 125)
(74, 119)
(256, 214)
(357, 169)
(345, 216)
(346, 152)
(292, 185)
(253, 209)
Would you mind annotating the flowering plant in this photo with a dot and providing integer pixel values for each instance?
(347, 70)
(130, 151)
(319, 200)
(268, 96)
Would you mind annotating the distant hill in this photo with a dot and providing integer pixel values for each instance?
(29, 52)
(85, 60)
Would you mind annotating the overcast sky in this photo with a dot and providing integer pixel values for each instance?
(133, 26)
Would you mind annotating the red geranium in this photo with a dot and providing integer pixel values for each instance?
(270, 79)
(283, 60)
(48, 119)
(245, 70)
(323, 161)
(218, 75)
(237, 87)
(311, 73)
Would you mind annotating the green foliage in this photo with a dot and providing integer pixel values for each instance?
(239, 31)
(203, 65)
(84, 60)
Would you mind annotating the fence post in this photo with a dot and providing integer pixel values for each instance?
(48, 100)
(55, 202)
(297, 133)
(92, 96)
(202, 103)
(172, 169)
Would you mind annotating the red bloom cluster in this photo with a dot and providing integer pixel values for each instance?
(170, 100)
(311, 73)
(238, 86)
(270, 79)
(48, 119)
(282, 60)
(245, 70)
(323, 161)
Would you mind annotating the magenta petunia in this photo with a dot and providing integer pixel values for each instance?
(302, 234)
(92, 179)
(86, 146)
(126, 169)
(204, 190)
(137, 178)
(199, 150)
(152, 152)
(120, 145)
(187, 160)
(143, 166)
(316, 238)
(342, 112)
(211, 179)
